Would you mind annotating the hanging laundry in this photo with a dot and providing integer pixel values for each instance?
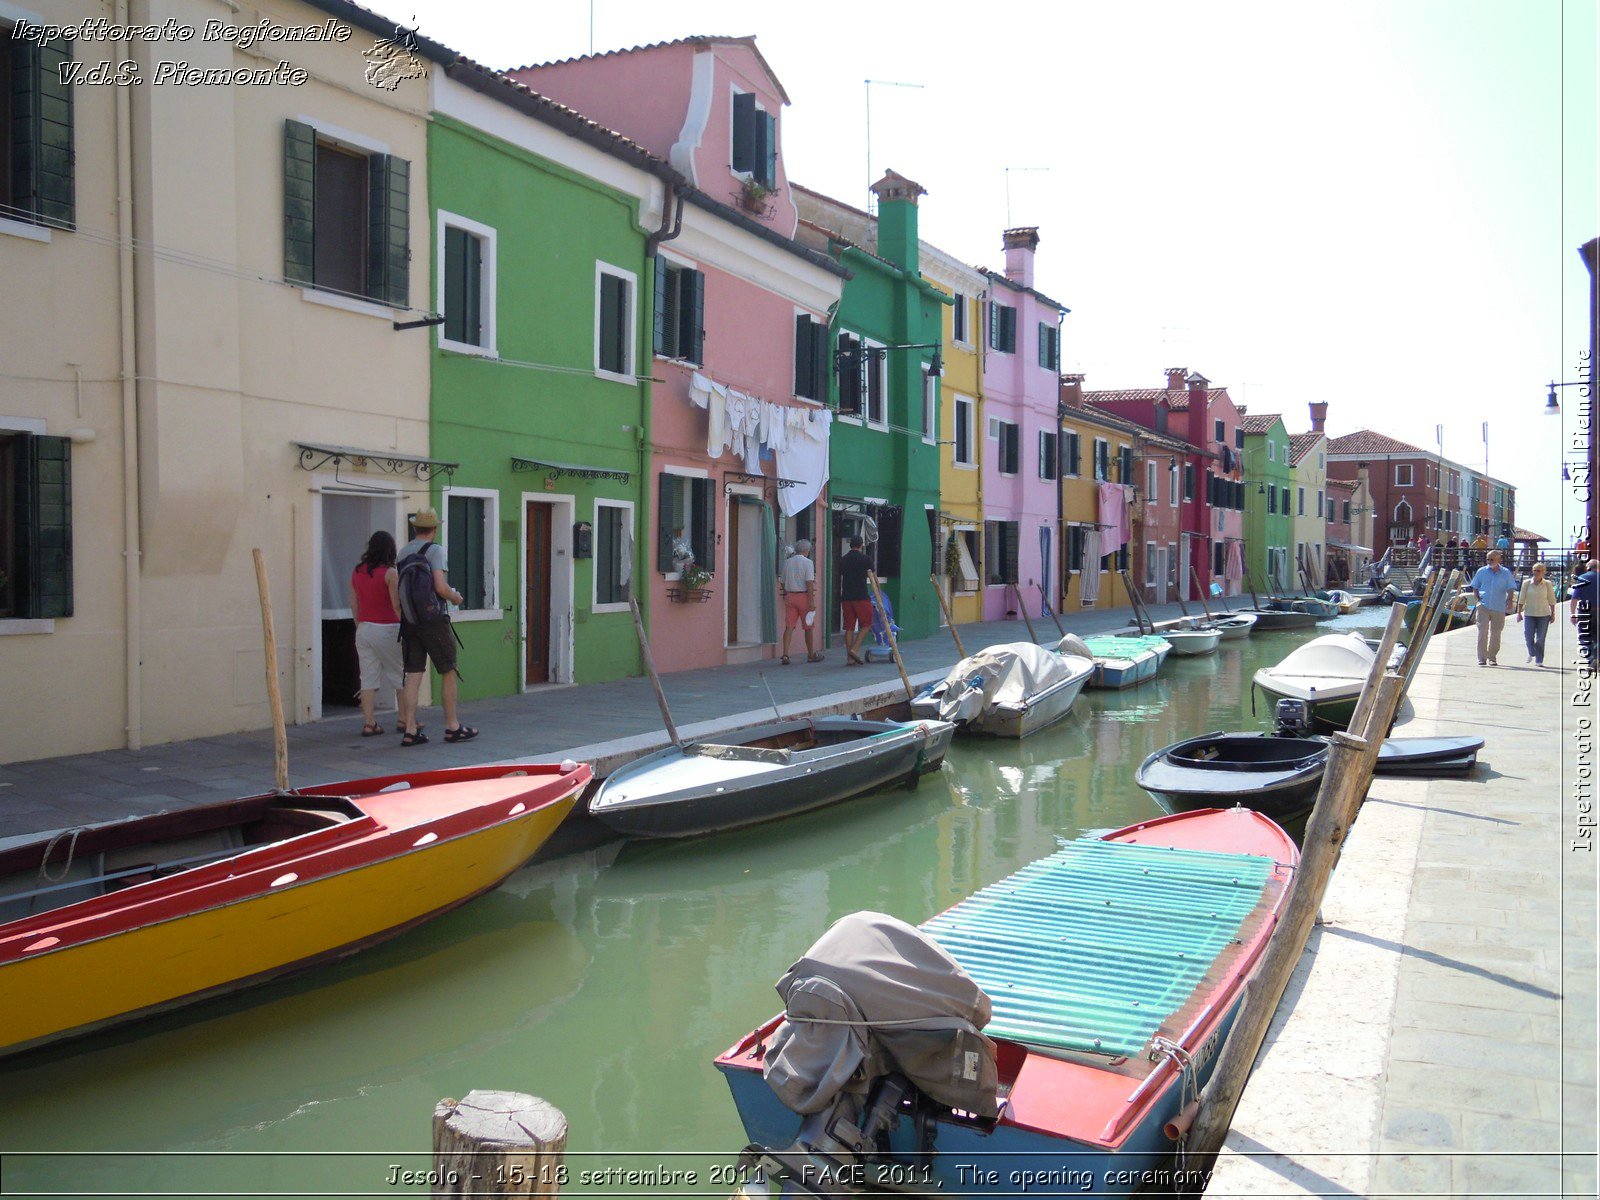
(699, 390)
(717, 431)
(1113, 518)
(804, 460)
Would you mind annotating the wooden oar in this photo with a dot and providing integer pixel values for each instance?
(280, 735)
(950, 621)
(888, 628)
(1050, 610)
(650, 667)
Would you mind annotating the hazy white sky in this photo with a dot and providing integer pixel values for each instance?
(1376, 203)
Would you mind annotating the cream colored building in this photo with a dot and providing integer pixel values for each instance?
(1308, 484)
(211, 405)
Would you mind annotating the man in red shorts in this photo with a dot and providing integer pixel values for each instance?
(855, 598)
(799, 579)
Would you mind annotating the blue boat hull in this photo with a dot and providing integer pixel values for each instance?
(1123, 673)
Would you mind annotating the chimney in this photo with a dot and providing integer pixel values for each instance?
(1199, 405)
(1319, 416)
(1176, 377)
(1020, 245)
(1072, 391)
(897, 219)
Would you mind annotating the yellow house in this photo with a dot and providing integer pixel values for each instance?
(1095, 448)
(960, 429)
(207, 361)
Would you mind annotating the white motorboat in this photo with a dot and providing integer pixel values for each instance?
(1010, 690)
(1235, 625)
(1327, 674)
(1189, 642)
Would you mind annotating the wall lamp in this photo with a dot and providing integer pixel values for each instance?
(846, 360)
(1552, 407)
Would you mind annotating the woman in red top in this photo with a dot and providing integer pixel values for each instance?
(375, 603)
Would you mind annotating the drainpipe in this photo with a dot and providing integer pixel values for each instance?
(1061, 510)
(981, 334)
(128, 375)
(671, 227)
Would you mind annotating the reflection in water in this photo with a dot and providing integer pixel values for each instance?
(606, 990)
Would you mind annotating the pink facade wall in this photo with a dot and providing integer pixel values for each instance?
(641, 94)
(1222, 408)
(1016, 388)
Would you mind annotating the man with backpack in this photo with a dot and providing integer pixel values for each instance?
(425, 632)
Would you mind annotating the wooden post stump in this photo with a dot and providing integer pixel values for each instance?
(498, 1144)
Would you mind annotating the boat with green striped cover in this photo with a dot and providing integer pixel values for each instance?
(1123, 660)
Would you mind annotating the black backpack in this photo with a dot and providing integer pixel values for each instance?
(419, 602)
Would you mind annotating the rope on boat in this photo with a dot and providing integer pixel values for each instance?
(72, 850)
(1188, 1089)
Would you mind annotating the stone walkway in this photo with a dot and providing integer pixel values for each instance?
(588, 722)
(1438, 1037)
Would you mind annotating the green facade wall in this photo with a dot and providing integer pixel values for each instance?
(552, 225)
(1264, 530)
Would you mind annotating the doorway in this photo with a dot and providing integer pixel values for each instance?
(538, 555)
(751, 601)
(348, 520)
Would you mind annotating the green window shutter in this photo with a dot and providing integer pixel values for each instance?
(52, 156)
(994, 326)
(1011, 539)
(850, 373)
(769, 143)
(804, 381)
(890, 519)
(693, 340)
(669, 518)
(659, 319)
(703, 523)
(299, 201)
(613, 322)
(819, 359)
(1044, 344)
(389, 230)
(744, 131)
(463, 286)
(44, 527)
(466, 550)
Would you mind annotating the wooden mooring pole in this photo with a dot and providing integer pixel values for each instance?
(280, 735)
(950, 621)
(498, 1144)
(1201, 591)
(650, 669)
(1017, 592)
(1050, 609)
(888, 628)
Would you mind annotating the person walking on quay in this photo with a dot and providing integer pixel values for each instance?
(1583, 602)
(1479, 545)
(855, 600)
(375, 605)
(1535, 606)
(1496, 588)
(799, 584)
(425, 630)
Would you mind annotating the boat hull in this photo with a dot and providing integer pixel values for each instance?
(1270, 620)
(168, 956)
(1188, 643)
(1329, 712)
(1284, 790)
(901, 752)
(1236, 626)
(1038, 712)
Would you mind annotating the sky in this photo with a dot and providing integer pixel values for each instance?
(1374, 203)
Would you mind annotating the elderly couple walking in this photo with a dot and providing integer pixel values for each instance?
(1499, 596)
(799, 578)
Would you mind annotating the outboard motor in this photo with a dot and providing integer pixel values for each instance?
(880, 1024)
(1291, 718)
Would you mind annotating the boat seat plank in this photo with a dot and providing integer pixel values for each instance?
(1092, 949)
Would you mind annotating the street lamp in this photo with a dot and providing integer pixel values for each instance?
(1552, 407)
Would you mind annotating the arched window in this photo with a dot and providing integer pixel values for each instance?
(1402, 513)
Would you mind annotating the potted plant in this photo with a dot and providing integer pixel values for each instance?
(753, 195)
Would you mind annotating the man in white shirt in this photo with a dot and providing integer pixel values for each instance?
(799, 579)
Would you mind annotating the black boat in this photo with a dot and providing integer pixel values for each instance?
(1276, 776)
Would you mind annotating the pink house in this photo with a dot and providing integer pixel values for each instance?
(1021, 439)
(737, 443)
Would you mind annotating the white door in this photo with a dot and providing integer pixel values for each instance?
(747, 575)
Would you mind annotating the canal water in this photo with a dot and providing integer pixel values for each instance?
(606, 989)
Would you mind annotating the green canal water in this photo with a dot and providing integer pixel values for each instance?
(606, 989)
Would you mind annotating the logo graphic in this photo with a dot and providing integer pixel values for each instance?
(393, 60)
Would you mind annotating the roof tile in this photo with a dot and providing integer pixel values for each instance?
(1370, 441)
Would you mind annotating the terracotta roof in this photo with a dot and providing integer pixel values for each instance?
(1260, 422)
(1177, 398)
(1369, 441)
(1300, 445)
(1519, 534)
(1342, 485)
(696, 40)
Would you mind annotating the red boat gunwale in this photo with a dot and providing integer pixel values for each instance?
(1075, 1097)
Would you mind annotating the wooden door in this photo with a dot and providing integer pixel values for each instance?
(537, 631)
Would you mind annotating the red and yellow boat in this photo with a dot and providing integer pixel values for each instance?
(114, 922)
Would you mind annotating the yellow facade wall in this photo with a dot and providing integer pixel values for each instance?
(960, 483)
(1080, 505)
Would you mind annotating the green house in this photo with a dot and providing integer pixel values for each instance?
(884, 455)
(1269, 505)
(543, 281)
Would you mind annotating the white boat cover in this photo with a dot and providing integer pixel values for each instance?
(1011, 672)
(1331, 656)
(875, 995)
(1074, 645)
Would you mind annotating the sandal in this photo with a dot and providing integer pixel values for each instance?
(784, 660)
(414, 739)
(373, 731)
(814, 657)
(461, 733)
(401, 728)
(855, 660)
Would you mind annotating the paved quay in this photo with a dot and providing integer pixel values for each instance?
(1438, 1036)
(600, 721)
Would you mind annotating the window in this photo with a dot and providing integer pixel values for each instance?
(958, 319)
(1124, 464)
(1010, 447)
(613, 323)
(755, 141)
(1319, 500)
(36, 137)
(1218, 549)
(1221, 433)
(1272, 498)
(965, 545)
(1238, 438)
(852, 371)
(685, 520)
(678, 324)
(1188, 481)
(1330, 508)
(472, 547)
(1402, 475)
(1049, 347)
(1300, 502)
(613, 525)
(346, 217)
(930, 405)
(1272, 450)
(1073, 561)
(1150, 564)
(1172, 483)
(1102, 460)
(1001, 542)
(35, 526)
(1002, 327)
(466, 287)
(810, 357)
(965, 433)
(874, 386)
(1071, 452)
(1047, 454)
(1152, 478)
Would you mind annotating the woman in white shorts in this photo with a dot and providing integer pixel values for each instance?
(375, 601)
